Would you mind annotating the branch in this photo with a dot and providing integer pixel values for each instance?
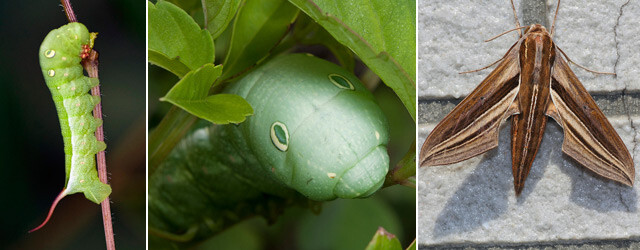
(90, 64)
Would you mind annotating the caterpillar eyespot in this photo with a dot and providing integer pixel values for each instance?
(280, 136)
(340, 81)
(317, 133)
(49, 53)
(60, 55)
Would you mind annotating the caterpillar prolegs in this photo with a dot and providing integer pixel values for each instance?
(60, 55)
(316, 134)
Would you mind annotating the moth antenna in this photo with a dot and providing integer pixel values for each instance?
(485, 67)
(53, 207)
(513, 7)
(553, 25)
(501, 34)
(583, 67)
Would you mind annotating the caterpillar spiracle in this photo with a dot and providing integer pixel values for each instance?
(316, 134)
(60, 55)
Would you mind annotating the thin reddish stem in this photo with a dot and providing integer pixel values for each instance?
(53, 207)
(91, 66)
(67, 9)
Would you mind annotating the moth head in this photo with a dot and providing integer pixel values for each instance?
(535, 28)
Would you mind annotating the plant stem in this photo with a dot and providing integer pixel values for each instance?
(167, 134)
(405, 170)
(67, 9)
(91, 66)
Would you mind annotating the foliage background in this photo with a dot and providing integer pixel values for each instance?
(31, 144)
(342, 224)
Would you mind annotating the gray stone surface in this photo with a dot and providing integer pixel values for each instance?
(633, 244)
(601, 35)
(473, 202)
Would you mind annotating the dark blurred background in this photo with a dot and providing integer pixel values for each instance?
(31, 146)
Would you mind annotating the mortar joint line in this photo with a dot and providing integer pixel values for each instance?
(624, 90)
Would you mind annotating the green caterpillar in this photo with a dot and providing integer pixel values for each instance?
(316, 134)
(60, 55)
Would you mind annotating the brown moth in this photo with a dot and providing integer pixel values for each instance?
(531, 82)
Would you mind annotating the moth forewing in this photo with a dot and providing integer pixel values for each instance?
(589, 138)
(471, 128)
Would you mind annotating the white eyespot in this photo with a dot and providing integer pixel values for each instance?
(377, 135)
(340, 81)
(280, 136)
(49, 53)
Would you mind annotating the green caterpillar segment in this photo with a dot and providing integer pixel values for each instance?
(60, 55)
(317, 134)
(337, 135)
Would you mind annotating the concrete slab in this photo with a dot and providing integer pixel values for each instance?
(474, 202)
(601, 35)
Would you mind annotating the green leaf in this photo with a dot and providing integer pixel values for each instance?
(190, 94)
(259, 27)
(172, 65)
(309, 32)
(382, 33)
(187, 5)
(218, 14)
(412, 246)
(406, 168)
(175, 38)
(383, 240)
(346, 224)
